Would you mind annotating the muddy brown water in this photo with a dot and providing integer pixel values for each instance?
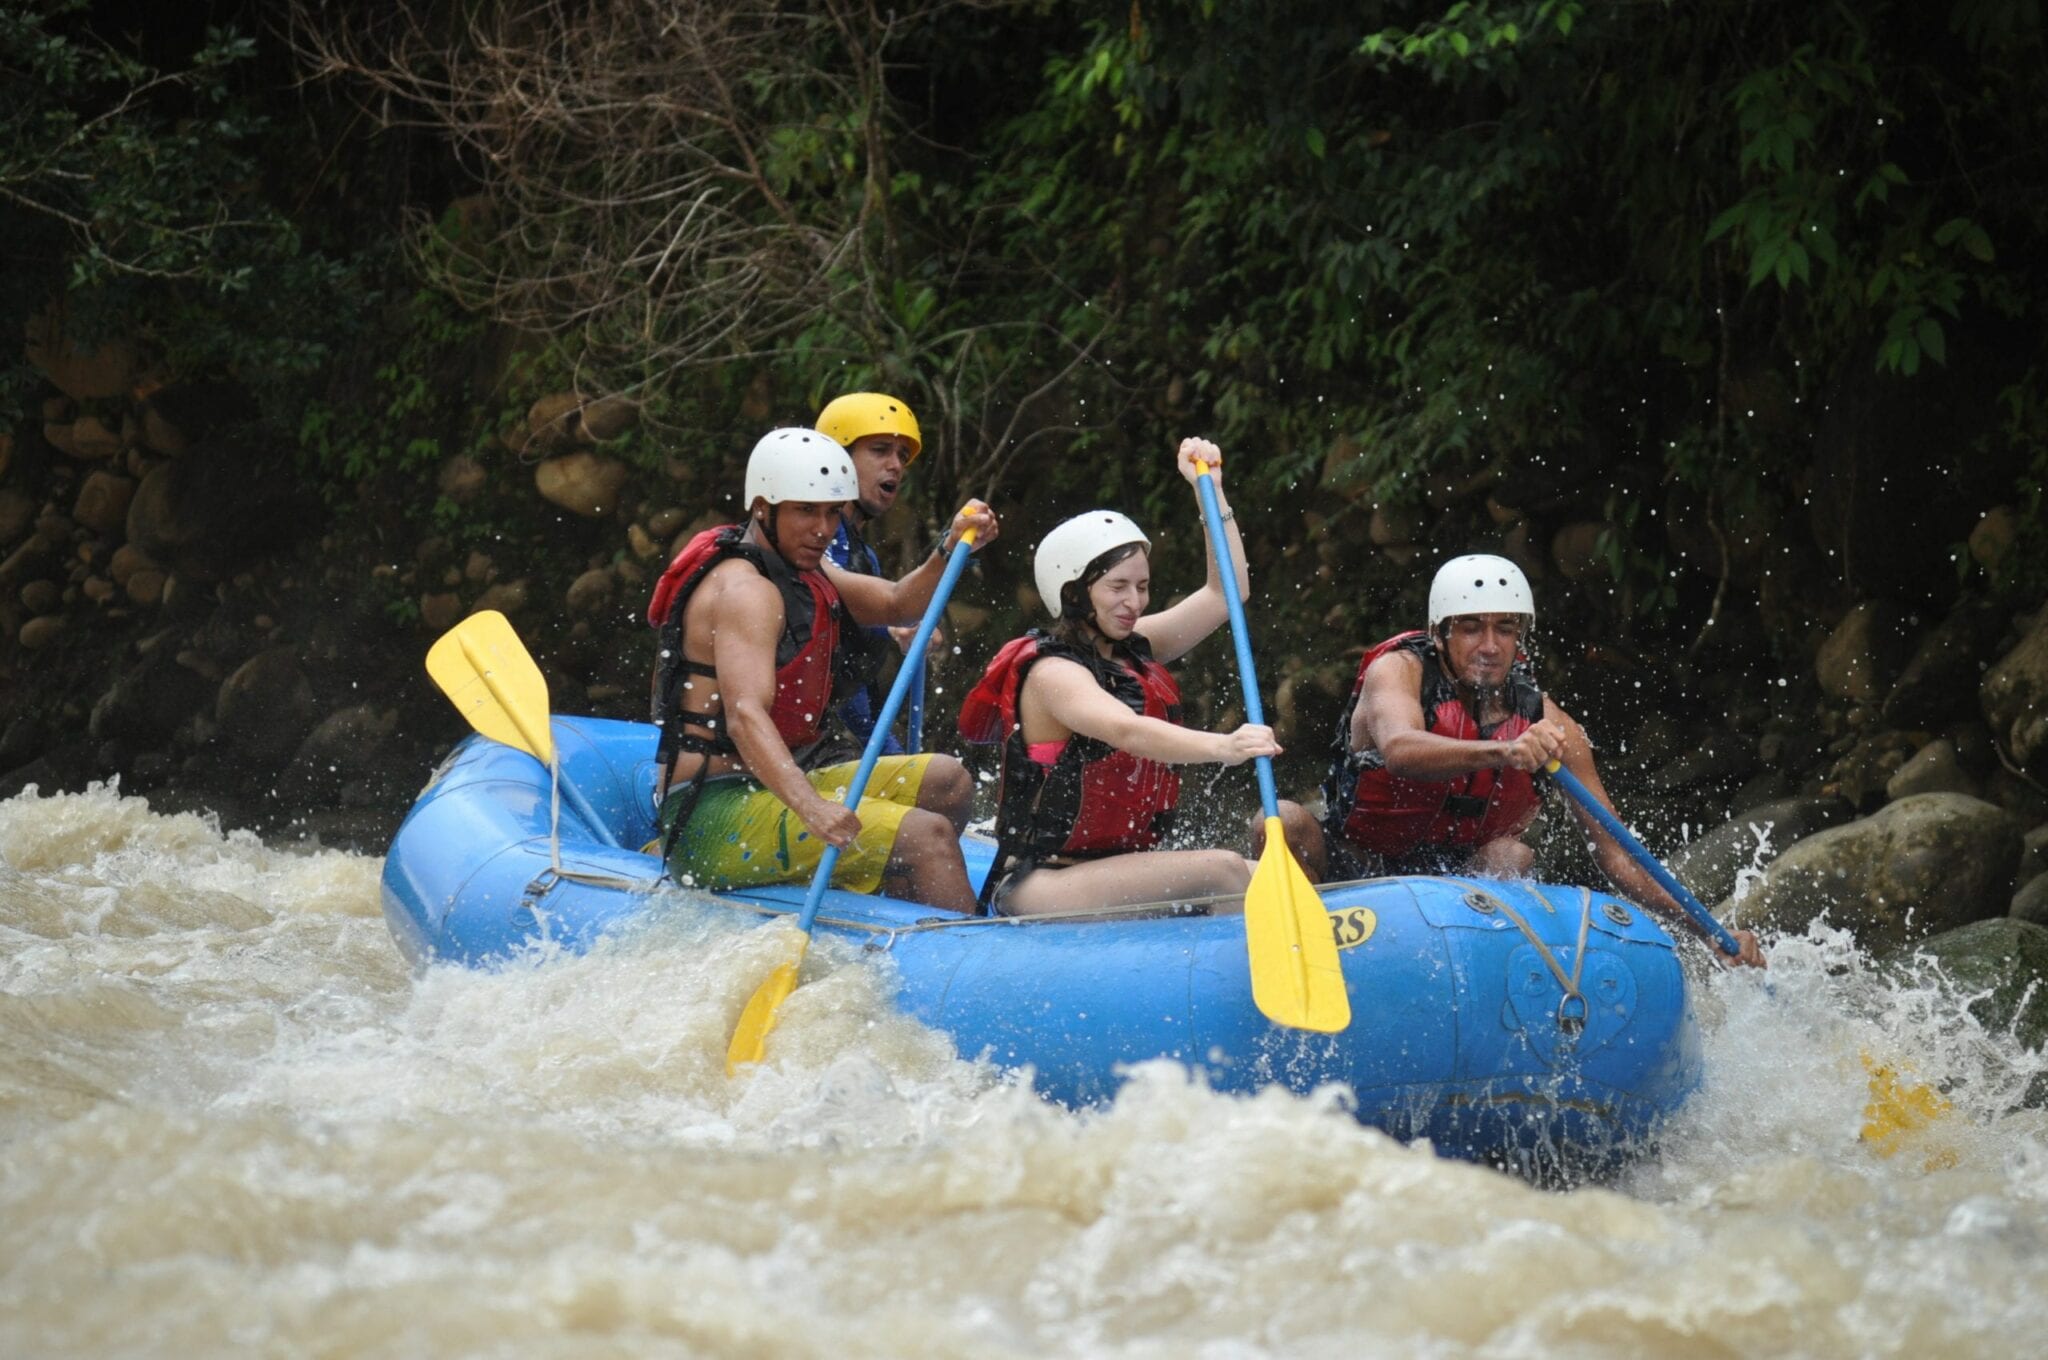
(233, 1122)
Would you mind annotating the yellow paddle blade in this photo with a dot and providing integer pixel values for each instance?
(485, 671)
(1899, 1110)
(750, 1036)
(1296, 978)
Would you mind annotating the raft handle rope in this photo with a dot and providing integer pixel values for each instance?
(1571, 1007)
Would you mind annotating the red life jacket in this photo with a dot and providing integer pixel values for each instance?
(1093, 800)
(1380, 811)
(804, 653)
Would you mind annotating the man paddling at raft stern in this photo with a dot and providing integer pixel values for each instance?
(1435, 759)
(880, 434)
(1089, 722)
(751, 621)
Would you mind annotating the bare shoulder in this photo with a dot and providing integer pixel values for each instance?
(735, 593)
(1402, 669)
(1059, 673)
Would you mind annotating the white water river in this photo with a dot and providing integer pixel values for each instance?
(233, 1122)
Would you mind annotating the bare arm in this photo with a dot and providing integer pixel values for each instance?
(746, 618)
(1629, 878)
(1175, 630)
(873, 601)
(1389, 717)
(1064, 692)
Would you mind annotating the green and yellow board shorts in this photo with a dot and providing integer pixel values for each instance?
(739, 835)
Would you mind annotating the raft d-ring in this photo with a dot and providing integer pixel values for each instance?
(543, 883)
(1571, 1015)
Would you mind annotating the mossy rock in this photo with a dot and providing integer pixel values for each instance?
(2001, 958)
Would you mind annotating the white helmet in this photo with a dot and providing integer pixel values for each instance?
(1064, 554)
(799, 465)
(1479, 584)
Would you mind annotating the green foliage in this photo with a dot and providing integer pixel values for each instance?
(1503, 232)
(139, 192)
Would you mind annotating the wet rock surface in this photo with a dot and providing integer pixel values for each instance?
(1920, 866)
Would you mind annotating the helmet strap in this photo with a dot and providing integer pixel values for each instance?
(767, 523)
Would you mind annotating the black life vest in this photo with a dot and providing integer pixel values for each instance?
(811, 624)
(1093, 800)
(1371, 807)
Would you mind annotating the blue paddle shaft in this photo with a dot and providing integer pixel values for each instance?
(913, 664)
(1219, 544)
(913, 734)
(1583, 796)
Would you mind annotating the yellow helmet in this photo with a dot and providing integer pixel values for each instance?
(860, 414)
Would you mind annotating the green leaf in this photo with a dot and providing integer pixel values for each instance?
(1794, 264)
(1728, 218)
(1314, 138)
(1763, 262)
(1928, 332)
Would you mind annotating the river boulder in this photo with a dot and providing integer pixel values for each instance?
(2002, 965)
(1711, 865)
(2034, 852)
(2015, 699)
(2030, 903)
(1922, 865)
(1940, 681)
(148, 702)
(585, 483)
(1863, 654)
(1934, 768)
(266, 708)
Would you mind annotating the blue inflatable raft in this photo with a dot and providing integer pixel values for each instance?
(1511, 1021)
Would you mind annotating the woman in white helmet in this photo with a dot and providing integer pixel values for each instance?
(1435, 762)
(1089, 722)
(751, 619)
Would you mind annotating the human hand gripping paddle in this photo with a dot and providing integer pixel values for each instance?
(489, 676)
(750, 1035)
(1296, 977)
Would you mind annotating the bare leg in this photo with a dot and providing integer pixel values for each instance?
(1505, 857)
(947, 789)
(1304, 837)
(1147, 876)
(925, 864)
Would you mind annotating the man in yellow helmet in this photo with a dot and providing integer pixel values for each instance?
(880, 434)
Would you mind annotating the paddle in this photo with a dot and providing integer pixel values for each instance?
(1897, 1108)
(1296, 978)
(1583, 796)
(913, 735)
(486, 672)
(750, 1035)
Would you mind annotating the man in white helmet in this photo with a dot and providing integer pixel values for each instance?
(880, 434)
(1436, 755)
(751, 619)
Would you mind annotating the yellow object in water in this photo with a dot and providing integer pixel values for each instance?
(1899, 1111)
